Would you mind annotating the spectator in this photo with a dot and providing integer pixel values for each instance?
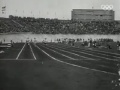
(55, 26)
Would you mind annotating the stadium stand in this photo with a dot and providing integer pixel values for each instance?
(55, 26)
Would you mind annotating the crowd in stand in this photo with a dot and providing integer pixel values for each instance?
(55, 26)
(9, 26)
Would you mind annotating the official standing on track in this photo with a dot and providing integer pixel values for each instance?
(118, 45)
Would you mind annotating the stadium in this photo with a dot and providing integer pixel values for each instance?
(82, 53)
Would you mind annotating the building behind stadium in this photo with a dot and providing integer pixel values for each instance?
(92, 14)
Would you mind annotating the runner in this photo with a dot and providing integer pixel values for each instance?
(118, 45)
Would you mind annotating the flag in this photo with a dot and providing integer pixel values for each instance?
(3, 9)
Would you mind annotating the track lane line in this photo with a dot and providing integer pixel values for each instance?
(117, 57)
(73, 64)
(79, 56)
(32, 52)
(20, 52)
(96, 51)
(72, 53)
(60, 53)
(101, 51)
(92, 55)
(72, 58)
(105, 54)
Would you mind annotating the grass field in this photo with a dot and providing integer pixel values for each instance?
(54, 66)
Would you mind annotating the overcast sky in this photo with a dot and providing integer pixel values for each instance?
(54, 8)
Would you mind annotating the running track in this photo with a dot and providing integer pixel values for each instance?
(96, 60)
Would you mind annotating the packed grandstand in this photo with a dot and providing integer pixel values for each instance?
(15, 24)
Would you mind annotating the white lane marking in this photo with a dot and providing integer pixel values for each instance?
(32, 52)
(20, 52)
(97, 51)
(79, 56)
(73, 53)
(73, 64)
(62, 54)
(93, 55)
(73, 58)
(88, 50)
(101, 51)
(107, 52)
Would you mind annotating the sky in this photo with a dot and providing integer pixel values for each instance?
(60, 9)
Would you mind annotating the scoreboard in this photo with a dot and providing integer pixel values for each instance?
(92, 14)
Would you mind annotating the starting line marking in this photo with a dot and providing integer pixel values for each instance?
(14, 59)
(26, 59)
(73, 64)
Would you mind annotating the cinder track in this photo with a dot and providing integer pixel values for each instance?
(46, 63)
